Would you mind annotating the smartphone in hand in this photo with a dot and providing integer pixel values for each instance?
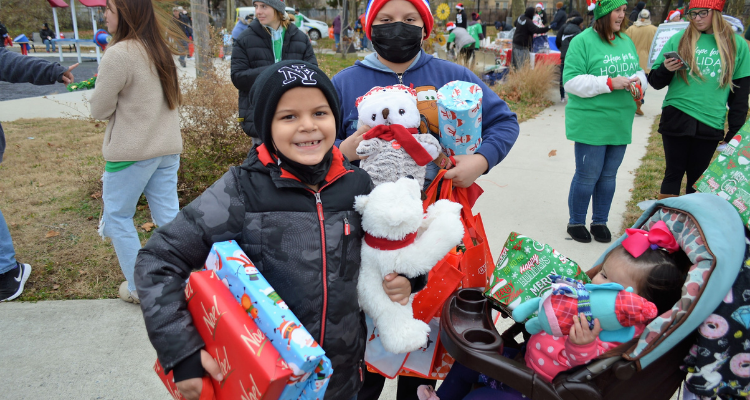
(673, 54)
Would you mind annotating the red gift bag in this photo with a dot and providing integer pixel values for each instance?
(475, 256)
(442, 281)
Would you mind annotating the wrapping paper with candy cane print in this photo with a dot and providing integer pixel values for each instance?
(311, 369)
(460, 117)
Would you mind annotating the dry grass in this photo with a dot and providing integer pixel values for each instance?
(213, 140)
(51, 202)
(526, 90)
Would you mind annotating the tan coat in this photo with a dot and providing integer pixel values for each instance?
(642, 36)
(128, 94)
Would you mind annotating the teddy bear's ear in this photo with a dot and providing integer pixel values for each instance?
(360, 202)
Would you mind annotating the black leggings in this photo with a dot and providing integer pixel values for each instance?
(685, 154)
(407, 387)
(562, 89)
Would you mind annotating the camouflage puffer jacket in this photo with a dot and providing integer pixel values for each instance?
(281, 225)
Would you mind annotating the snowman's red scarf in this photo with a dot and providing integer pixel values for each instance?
(387, 244)
(404, 137)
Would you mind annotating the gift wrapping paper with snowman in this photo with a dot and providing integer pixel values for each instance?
(727, 175)
(311, 369)
(460, 117)
(523, 270)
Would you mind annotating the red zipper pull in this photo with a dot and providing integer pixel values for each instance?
(346, 227)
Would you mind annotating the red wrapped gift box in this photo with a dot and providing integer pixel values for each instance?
(252, 368)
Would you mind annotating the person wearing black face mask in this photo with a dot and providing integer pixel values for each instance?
(397, 29)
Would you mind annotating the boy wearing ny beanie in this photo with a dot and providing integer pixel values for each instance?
(289, 206)
(397, 29)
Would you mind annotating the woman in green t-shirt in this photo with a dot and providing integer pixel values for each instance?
(695, 108)
(602, 77)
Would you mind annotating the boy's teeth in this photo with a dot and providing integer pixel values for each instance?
(304, 144)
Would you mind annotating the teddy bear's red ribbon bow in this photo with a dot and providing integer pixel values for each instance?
(638, 240)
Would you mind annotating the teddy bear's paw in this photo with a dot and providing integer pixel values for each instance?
(445, 207)
(410, 336)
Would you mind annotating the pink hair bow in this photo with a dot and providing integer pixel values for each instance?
(638, 240)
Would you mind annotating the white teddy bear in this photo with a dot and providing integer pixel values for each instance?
(393, 148)
(400, 238)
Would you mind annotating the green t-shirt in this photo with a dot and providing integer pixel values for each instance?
(474, 31)
(703, 99)
(605, 119)
(298, 20)
(114, 166)
(277, 39)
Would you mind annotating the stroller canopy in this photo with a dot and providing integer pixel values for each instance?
(709, 230)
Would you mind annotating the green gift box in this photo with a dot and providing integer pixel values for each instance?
(727, 175)
(523, 269)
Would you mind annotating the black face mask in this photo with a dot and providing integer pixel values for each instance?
(309, 174)
(397, 42)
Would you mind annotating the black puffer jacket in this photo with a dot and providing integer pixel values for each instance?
(566, 34)
(525, 29)
(275, 220)
(253, 53)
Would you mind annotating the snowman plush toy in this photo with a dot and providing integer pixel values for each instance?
(393, 148)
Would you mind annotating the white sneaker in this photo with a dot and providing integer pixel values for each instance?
(128, 296)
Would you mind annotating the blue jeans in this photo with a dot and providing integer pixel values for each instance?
(183, 49)
(7, 252)
(365, 42)
(47, 43)
(596, 169)
(337, 38)
(157, 179)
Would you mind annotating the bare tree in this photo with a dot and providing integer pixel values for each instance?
(201, 36)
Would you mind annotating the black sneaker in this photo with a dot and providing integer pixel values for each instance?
(11, 282)
(579, 233)
(601, 233)
(183, 63)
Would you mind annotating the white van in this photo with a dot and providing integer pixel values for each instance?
(311, 27)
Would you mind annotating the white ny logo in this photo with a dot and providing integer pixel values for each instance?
(297, 71)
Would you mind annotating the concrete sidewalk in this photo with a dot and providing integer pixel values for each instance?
(98, 349)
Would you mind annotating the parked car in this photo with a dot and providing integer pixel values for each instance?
(313, 28)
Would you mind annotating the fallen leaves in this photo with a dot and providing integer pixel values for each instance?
(552, 153)
(148, 226)
(55, 287)
(51, 234)
(96, 195)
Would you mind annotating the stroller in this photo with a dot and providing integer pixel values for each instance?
(712, 235)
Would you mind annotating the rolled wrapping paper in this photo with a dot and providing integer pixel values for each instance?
(460, 117)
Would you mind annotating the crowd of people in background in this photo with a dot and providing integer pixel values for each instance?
(305, 130)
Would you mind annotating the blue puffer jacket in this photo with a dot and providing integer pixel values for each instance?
(499, 124)
(15, 68)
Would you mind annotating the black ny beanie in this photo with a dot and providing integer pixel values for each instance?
(272, 83)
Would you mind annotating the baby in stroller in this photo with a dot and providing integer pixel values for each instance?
(706, 228)
(657, 275)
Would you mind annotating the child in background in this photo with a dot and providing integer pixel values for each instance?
(656, 275)
(289, 206)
